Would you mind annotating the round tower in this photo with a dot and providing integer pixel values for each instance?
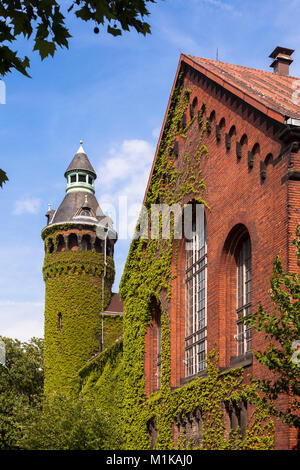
(79, 273)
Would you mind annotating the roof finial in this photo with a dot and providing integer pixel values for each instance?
(80, 150)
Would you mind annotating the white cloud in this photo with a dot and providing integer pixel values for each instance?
(181, 40)
(122, 183)
(125, 173)
(30, 206)
(220, 4)
(21, 320)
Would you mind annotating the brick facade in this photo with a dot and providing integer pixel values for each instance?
(254, 193)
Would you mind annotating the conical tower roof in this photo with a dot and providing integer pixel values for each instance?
(81, 162)
(79, 205)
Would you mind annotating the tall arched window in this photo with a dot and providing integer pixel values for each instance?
(196, 295)
(244, 287)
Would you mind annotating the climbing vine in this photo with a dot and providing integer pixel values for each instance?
(72, 315)
(147, 276)
(211, 395)
(102, 379)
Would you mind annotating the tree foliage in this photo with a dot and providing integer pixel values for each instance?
(3, 177)
(65, 423)
(21, 385)
(44, 20)
(282, 330)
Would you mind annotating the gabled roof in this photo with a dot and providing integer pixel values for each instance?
(266, 91)
(274, 92)
(115, 305)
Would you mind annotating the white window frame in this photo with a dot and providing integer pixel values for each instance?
(243, 297)
(196, 303)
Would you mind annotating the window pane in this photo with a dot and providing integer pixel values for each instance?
(195, 342)
(244, 288)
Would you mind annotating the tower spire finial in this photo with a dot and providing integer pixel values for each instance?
(80, 150)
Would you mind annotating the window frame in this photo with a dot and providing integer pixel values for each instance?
(196, 302)
(244, 296)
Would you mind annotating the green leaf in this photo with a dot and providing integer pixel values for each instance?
(114, 31)
(3, 178)
(45, 48)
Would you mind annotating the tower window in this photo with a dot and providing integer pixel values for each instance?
(244, 287)
(98, 245)
(73, 242)
(60, 321)
(86, 243)
(85, 213)
(73, 179)
(196, 267)
(61, 245)
(50, 245)
(90, 180)
(82, 179)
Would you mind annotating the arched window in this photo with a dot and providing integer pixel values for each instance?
(86, 243)
(98, 245)
(196, 275)
(61, 246)
(244, 288)
(73, 242)
(109, 248)
(85, 213)
(60, 321)
(50, 245)
(193, 107)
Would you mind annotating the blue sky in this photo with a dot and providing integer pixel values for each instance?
(112, 93)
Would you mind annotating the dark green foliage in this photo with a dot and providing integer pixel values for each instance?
(281, 328)
(64, 423)
(21, 385)
(3, 178)
(44, 20)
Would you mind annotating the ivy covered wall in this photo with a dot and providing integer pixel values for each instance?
(148, 276)
(73, 314)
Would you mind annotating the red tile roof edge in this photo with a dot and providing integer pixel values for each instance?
(277, 116)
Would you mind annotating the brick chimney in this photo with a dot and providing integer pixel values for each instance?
(282, 60)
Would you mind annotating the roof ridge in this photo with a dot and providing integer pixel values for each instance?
(240, 66)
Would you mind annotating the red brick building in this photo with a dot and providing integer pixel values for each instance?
(252, 177)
